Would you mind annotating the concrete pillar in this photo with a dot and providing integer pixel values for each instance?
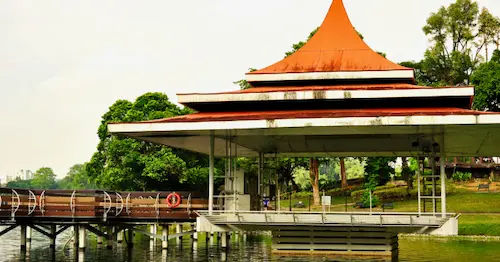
(76, 237)
(211, 238)
(223, 241)
(244, 236)
(109, 238)
(195, 234)
(82, 238)
(211, 174)
(442, 159)
(99, 238)
(29, 232)
(178, 230)
(119, 236)
(53, 237)
(23, 237)
(130, 237)
(164, 237)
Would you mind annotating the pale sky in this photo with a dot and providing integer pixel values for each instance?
(63, 63)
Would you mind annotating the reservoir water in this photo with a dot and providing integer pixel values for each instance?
(255, 248)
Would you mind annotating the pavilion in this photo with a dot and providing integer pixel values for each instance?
(333, 97)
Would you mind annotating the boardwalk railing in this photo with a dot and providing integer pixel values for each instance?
(26, 204)
(274, 218)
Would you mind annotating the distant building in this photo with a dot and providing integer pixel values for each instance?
(24, 174)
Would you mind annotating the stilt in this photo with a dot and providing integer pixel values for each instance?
(223, 241)
(119, 236)
(53, 236)
(211, 238)
(23, 237)
(164, 237)
(99, 238)
(109, 240)
(82, 238)
(29, 233)
(195, 234)
(178, 230)
(130, 237)
(76, 237)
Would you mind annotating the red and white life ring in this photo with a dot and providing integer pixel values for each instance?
(173, 200)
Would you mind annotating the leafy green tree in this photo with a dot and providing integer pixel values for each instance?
(44, 178)
(378, 170)
(129, 164)
(486, 79)
(77, 178)
(20, 183)
(459, 33)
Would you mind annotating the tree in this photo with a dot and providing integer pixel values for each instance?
(459, 34)
(76, 178)
(44, 178)
(343, 175)
(314, 177)
(129, 164)
(20, 183)
(378, 170)
(486, 79)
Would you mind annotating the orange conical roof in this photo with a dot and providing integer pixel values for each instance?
(336, 47)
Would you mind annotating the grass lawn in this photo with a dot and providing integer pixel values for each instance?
(488, 225)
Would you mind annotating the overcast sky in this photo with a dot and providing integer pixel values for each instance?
(63, 63)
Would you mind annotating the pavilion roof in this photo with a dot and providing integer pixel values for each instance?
(336, 47)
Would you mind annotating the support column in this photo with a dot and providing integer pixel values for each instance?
(99, 238)
(119, 236)
(23, 237)
(29, 233)
(53, 237)
(442, 159)
(82, 238)
(130, 237)
(164, 237)
(178, 230)
(211, 174)
(109, 240)
(223, 241)
(76, 237)
(195, 234)
(418, 187)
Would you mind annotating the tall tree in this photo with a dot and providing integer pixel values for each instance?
(314, 177)
(129, 164)
(486, 79)
(44, 178)
(343, 175)
(459, 33)
(76, 178)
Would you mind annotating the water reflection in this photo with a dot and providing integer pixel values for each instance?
(245, 247)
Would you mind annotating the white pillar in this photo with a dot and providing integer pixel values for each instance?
(223, 241)
(82, 237)
(443, 178)
(211, 174)
(164, 237)
(178, 230)
(23, 237)
(29, 233)
(53, 237)
(418, 187)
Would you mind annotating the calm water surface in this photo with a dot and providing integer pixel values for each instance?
(256, 248)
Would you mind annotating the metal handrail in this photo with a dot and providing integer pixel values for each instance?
(31, 202)
(127, 203)
(189, 204)
(157, 205)
(416, 214)
(107, 205)
(119, 201)
(72, 203)
(42, 202)
(14, 209)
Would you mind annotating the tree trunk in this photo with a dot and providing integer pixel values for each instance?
(407, 173)
(342, 173)
(314, 177)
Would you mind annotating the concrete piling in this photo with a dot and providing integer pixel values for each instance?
(223, 240)
(53, 237)
(178, 230)
(130, 237)
(23, 237)
(164, 237)
(82, 238)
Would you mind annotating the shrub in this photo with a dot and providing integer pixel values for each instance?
(365, 199)
(461, 176)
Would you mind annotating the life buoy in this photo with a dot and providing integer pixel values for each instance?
(173, 200)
